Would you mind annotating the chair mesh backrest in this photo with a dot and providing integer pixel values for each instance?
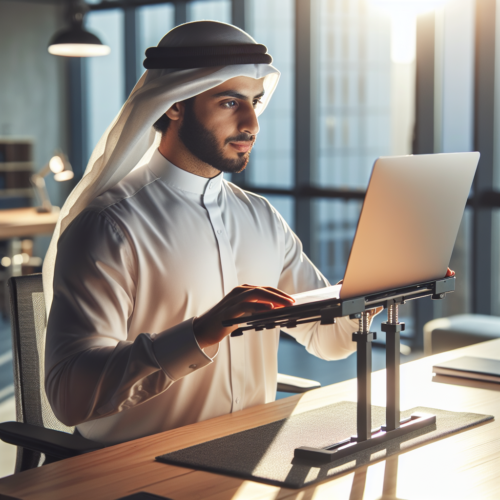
(28, 319)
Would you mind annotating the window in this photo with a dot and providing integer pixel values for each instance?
(272, 24)
(353, 86)
(363, 105)
(153, 23)
(105, 78)
(215, 10)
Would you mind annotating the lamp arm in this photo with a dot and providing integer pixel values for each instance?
(39, 184)
(44, 171)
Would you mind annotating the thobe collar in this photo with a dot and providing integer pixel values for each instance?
(181, 179)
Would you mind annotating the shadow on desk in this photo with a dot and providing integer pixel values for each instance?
(230, 488)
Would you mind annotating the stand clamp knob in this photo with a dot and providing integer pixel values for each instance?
(392, 328)
(364, 337)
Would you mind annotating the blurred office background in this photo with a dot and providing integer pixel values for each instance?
(359, 79)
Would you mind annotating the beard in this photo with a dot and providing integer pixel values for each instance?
(203, 144)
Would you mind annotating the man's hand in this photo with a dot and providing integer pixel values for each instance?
(449, 273)
(244, 299)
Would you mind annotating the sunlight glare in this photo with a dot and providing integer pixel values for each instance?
(404, 25)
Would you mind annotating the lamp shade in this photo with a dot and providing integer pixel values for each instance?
(65, 175)
(60, 167)
(77, 42)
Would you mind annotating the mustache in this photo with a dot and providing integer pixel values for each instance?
(243, 137)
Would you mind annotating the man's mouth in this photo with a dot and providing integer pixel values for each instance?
(242, 146)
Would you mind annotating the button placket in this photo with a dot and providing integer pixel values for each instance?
(230, 280)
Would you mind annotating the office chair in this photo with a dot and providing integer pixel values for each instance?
(37, 430)
(445, 334)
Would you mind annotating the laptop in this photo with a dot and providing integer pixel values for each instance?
(408, 224)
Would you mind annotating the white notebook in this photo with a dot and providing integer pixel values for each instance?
(484, 369)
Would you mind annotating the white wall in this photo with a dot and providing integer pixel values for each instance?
(33, 87)
(32, 82)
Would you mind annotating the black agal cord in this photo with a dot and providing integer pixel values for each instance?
(202, 57)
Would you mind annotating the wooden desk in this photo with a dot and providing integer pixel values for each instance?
(17, 222)
(463, 466)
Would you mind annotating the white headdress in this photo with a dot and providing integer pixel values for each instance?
(130, 140)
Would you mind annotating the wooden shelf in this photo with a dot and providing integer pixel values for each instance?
(16, 166)
(19, 193)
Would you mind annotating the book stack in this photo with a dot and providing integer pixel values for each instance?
(16, 167)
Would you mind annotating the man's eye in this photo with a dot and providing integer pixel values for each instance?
(256, 102)
(230, 104)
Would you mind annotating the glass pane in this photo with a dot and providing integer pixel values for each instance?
(455, 29)
(335, 223)
(459, 302)
(364, 104)
(454, 127)
(104, 75)
(271, 164)
(153, 23)
(215, 10)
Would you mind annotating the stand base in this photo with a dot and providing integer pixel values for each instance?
(351, 445)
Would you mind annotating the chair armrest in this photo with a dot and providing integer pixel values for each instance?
(53, 443)
(296, 385)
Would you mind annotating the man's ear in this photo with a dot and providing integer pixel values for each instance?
(176, 111)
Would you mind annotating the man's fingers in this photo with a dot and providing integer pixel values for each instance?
(278, 291)
(256, 295)
(264, 295)
(270, 289)
(247, 307)
(449, 273)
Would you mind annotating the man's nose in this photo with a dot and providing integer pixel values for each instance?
(248, 121)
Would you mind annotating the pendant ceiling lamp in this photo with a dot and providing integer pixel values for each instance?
(77, 41)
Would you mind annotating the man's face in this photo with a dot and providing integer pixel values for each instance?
(220, 126)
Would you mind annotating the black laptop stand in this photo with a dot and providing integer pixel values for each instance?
(325, 311)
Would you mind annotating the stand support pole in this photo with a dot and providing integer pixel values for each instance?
(364, 375)
(392, 331)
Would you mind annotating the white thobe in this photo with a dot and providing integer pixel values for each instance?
(134, 269)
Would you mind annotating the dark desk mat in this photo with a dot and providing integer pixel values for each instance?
(265, 453)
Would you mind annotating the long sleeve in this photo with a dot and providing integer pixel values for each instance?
(92, 367)
(299, 275)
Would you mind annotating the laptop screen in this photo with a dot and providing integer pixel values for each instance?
(409, 221)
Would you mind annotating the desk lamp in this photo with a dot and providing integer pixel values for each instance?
(77, 41)
(61, 168)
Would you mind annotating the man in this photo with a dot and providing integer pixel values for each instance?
(148, 270)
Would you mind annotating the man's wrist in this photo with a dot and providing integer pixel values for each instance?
(178, 351)
(196, 332)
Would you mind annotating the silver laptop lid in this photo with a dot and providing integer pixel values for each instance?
(409, 221)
